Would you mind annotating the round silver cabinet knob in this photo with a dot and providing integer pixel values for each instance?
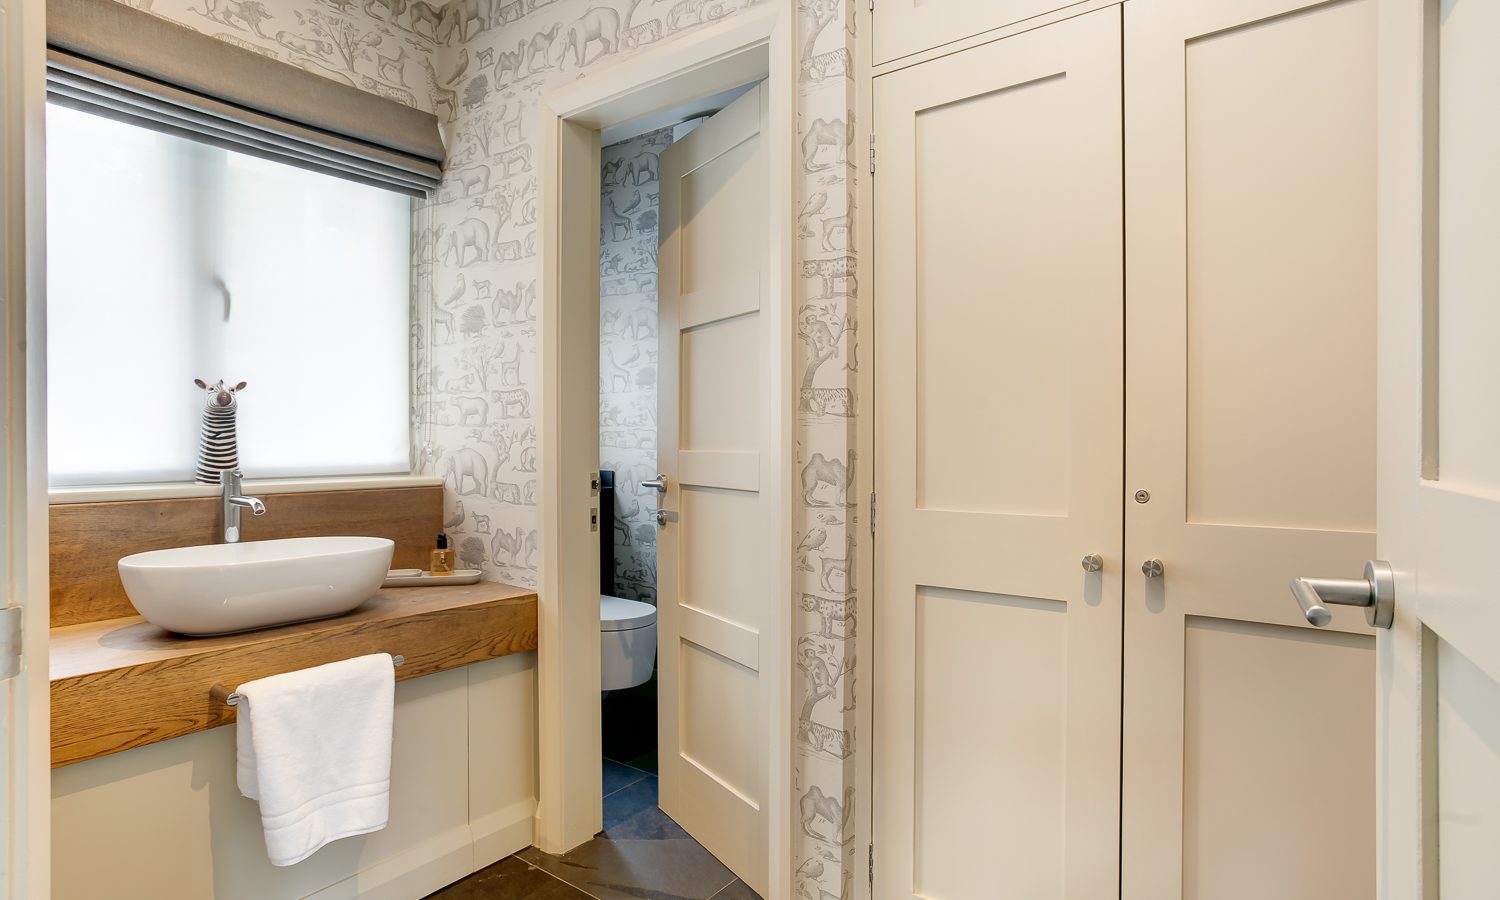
(1152, 568)
(1093, 563)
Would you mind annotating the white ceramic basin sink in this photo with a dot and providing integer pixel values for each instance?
(223, 588)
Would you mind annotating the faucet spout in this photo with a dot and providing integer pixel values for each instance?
(253, 504)
(234, 502)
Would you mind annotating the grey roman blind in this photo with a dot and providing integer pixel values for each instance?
(108, 58)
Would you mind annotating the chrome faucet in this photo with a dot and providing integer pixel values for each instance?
(233, 503)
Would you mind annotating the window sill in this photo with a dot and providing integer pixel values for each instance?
(253, 487)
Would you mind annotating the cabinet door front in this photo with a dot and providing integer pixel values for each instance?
(1250, 173)
(998, 468)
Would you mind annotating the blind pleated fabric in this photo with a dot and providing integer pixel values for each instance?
(109, 59)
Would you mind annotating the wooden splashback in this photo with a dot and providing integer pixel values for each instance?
(88, 539)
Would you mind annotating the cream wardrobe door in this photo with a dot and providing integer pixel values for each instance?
(713, 562)
(998, 465)
(904, 27)
(1250, 173)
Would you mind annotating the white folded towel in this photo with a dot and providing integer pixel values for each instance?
(314, 748)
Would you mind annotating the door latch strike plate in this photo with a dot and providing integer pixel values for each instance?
(10, 642)
(593, 518)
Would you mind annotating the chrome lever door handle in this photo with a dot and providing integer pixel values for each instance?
(659, 483)
(1376, 592)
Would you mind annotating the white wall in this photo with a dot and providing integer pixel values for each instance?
(167, 821)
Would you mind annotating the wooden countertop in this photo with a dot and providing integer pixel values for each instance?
(124, 683)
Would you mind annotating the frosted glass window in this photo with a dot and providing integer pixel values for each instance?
(169, 260)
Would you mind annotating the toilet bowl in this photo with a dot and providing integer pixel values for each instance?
(627, 642)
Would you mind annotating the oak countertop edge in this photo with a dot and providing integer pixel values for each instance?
(123, 683)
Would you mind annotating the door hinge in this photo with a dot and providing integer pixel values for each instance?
(872, 5)
(10, 642)
(871, 869)
(872, 514)
(872, 154)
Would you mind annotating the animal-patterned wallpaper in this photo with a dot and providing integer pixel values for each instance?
(829, 861)
(628, 210)
(385, 47)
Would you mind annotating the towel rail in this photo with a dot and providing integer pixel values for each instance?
(224, 695)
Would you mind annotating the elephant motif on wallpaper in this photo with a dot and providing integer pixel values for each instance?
(470, 234)
(602, 25)
(468, 463)
(643, 168)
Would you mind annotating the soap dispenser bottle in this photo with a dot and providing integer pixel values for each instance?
(442, 557)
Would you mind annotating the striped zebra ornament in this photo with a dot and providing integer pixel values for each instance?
(218, 446)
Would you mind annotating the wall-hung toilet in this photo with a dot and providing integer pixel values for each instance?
(627, 642)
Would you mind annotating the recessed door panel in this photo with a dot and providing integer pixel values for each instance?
(718, 577)
(992, 335)
(1467, 736)
(721, 376)
(1252, 753)
(989, 667)
(1270, 291)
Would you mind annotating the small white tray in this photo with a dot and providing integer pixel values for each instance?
(419, 578)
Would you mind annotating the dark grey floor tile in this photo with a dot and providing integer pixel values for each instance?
(678, 869)
(619, 775)
(650, 824)
(645, 762)
(509, 879)
(738, 890)
(629, 802)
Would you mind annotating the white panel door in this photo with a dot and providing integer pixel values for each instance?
(904, 27)
(714, 578)
(1250, 172)
(1438, 686)
(998, 466)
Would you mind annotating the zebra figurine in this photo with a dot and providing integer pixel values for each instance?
(218, 447)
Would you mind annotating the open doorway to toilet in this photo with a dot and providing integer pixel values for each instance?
(665, 444)
(681, 236)
(630, 476)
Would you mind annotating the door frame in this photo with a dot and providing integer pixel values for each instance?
(750, 46)
(25, 792)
